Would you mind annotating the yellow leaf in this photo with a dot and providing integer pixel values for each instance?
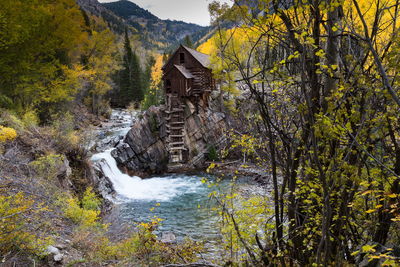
(366, 192)
(368, 248)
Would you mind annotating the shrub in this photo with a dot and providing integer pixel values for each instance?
(90, 201)
(64, 134)
(144, 246)
(212, 154)
(95, 244)
(7, 134)
(48, 166)
(15, 234)
(79, 215)
(153, 123)
(30, 118)
(85, 212)
(11, 120)
(140, 248)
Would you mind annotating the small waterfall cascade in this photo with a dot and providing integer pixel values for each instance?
(135, 188)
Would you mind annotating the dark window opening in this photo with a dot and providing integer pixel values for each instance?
(168, 86)
(181, 57)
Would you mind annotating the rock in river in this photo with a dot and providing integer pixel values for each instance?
(144, 150)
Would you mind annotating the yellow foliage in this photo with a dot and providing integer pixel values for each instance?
(85, 212)
(231, 43)
(242, 217)
(208, 47)
(63, 132)
(142, 246)
(154, 94)
(30, 118)
(90, 201)
(32, 67)
(156, 73)
(83, 217)
(14, 233)
(73, 138)
(7, 134)
(245, 142)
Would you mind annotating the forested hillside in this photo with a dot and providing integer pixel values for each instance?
(294, 143)
(152, 31)
(62, 68)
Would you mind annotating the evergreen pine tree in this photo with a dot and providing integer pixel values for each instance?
(146, 76)
(188, 41)
(136, 79)
(131, 76)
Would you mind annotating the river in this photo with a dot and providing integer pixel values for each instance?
(181, 200)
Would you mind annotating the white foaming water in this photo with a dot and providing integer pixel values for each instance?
(134, 188)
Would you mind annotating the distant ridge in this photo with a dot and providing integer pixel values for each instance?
(154, 31)
(127, 9)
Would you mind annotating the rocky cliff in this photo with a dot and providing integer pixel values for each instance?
(144, 150)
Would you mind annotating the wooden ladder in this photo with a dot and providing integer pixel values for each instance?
(175, 122)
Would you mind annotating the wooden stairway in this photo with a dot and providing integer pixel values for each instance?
(175, 122)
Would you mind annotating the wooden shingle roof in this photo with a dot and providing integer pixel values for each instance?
(185, 72)
(203, 59)
(200, 57)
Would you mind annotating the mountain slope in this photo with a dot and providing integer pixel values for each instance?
(127, 9)
(153, 30)
(115, 23)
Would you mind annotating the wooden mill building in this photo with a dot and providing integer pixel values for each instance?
(187, 76)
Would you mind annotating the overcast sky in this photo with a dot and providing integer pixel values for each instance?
(194, 11)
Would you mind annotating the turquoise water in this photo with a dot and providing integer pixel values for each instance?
(181, 200)
(187, 211)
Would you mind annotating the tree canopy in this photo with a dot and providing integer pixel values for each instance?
(323, 77)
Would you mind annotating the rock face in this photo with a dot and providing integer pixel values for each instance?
(102, 183)
(144, 150)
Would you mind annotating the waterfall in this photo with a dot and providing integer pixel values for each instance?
(135, 188)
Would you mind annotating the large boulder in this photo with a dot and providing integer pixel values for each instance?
(144, 150)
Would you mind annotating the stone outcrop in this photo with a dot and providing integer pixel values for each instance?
(55, 254)
(101, 182)
(144, 150)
